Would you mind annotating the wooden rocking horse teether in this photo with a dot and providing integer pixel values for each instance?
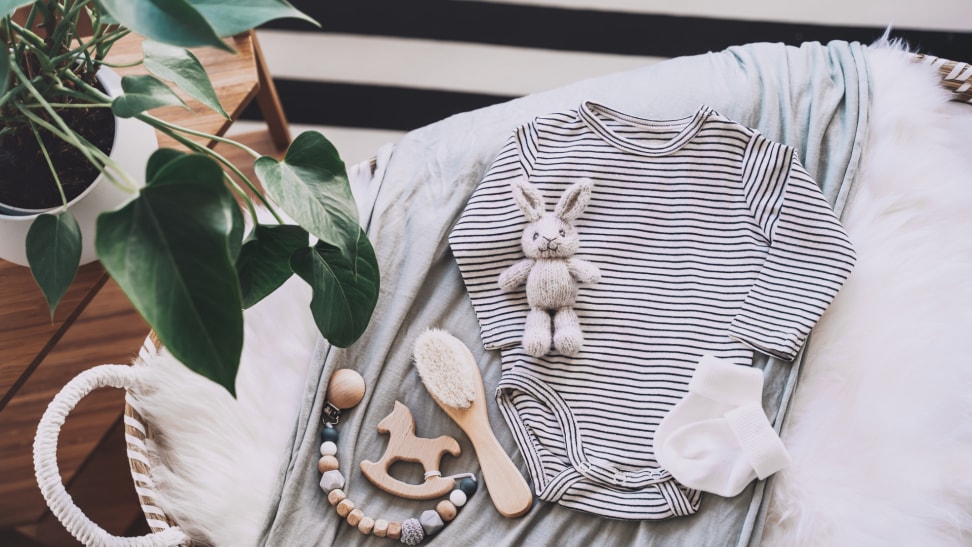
(404, 445)
(345, 390)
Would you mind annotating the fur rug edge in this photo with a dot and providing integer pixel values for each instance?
(218, 456)
(880, 430)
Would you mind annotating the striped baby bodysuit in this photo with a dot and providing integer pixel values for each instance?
(710, 240)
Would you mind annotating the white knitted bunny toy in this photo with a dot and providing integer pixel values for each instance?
(550, 269)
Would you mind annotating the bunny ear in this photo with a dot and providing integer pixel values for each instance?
(574, 200)
(528, 199)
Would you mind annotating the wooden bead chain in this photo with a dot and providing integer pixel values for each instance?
(410, 531)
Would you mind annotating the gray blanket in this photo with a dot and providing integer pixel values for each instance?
(813, 98)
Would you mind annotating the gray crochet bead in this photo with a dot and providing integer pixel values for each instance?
(412, 533)
(332, 479)
(431, 522)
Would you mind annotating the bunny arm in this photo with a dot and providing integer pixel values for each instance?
(516, 274)
(583, 270)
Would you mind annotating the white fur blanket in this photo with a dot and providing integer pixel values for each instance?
(879, 431)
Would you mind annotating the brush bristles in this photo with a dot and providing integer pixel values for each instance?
(443, 363)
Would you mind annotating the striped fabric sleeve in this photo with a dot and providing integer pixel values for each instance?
(810, 255)
(486, 240)
(526, 138)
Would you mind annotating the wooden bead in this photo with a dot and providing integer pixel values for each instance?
(336, 496)
(355, 516)
(394, 530)
(446, 510)
(345, 389)
(327, 463)
(366, 525)
(381, 528)
(344, 507)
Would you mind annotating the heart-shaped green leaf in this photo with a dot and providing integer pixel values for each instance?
(159, 159)
(229, 17)
(264, 261)
(7, 7)
(143, 93)
(174, 22)
(342, 301)
(168, 250)
(54, 253)
(311, 186)
(182, 67)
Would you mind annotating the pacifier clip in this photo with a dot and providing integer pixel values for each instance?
(345, 390)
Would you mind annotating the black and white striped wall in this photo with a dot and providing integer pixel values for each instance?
(378, 68)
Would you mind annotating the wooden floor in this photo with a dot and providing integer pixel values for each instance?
(103, 328)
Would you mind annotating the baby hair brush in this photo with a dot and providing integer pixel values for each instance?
(451, 375)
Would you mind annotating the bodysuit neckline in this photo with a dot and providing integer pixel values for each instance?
(597, 116)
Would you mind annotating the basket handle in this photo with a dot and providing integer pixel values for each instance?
(49, 476)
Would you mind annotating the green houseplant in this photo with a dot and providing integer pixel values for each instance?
(179, 249)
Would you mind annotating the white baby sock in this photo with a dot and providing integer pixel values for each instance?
(717, 438)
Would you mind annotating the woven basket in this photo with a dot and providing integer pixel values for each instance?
(138, 438)
(956, 76)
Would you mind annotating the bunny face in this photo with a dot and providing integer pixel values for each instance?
(550, 237)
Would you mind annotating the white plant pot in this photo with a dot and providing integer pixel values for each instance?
(133, 144)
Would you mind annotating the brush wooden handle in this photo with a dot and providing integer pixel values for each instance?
(508, 489)
(445, 358)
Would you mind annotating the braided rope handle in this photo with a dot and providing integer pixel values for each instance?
(49, 476)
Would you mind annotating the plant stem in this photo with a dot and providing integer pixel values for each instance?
(67, 24)
(173, 131)
(121, 65)
(72, 105)
(99, 159)
(192, 145)
(50, 165)
(28, 35)
(14, 92)
(86, 46)
(208, 136)
(97, 93)
(66, 135)
(159, 124)
(76, 94)
(246, 199)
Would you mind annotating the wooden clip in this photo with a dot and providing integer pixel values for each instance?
(403, 445)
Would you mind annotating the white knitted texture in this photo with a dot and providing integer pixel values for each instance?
(717, 438)
(550, 270)
(49, 476)
(438, 358)
(412, 532)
